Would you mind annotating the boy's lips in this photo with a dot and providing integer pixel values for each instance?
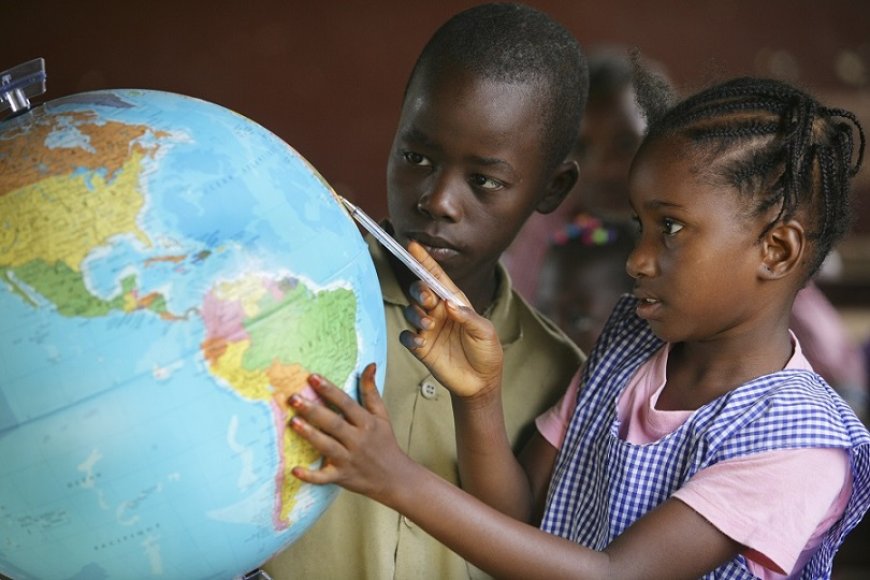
(438, 248)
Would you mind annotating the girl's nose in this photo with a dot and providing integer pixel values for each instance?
(443, 200)
(641, 260)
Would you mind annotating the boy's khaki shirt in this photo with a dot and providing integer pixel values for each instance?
(359, 538)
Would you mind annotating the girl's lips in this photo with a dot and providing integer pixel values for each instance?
(648, 308)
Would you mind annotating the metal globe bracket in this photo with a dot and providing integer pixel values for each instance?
(21, 83)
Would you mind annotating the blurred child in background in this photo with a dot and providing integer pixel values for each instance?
(583, 275)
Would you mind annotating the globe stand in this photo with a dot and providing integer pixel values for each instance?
(19, 83)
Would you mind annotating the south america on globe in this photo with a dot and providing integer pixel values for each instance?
(170, 272)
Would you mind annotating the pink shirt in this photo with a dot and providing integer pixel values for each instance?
(780, 523)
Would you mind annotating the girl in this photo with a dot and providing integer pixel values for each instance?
(696, 440)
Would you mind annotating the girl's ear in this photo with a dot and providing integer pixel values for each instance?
(783, 250)
(563, 181)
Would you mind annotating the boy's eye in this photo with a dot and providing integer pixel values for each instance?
(415, 158)
(484, 182)
(671, 227)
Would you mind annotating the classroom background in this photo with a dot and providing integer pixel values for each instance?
(327, 77)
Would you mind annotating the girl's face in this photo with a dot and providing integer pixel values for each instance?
(697, 259)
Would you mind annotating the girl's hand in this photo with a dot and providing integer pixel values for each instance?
(357, 442)
(460, 347)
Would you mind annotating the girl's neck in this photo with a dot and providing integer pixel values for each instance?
(699, 372)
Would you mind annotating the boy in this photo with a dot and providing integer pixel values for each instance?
(489, 116)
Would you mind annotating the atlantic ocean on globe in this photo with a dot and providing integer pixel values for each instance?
(170, 272)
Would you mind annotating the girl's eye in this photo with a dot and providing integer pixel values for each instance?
(416, 158)
(487, 183)
(671, 227)
(637, 225)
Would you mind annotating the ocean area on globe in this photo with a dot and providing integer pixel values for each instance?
(170, 272)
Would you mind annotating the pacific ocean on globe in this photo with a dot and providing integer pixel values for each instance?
(170, 272)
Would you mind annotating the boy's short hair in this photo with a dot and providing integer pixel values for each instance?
(513, 43)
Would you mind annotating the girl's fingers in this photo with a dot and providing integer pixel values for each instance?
(371, 398)
(352, 453)
(346, 414)
(339, 400)
(325, 474)
(417, 317)
(423, 295)
(430, 264)
(325, 444)
(474, 324)
(422, 256)
(411, 341)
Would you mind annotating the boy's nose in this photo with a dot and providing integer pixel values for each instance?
(442, 201)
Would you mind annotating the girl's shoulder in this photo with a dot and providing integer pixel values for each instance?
(786, 409)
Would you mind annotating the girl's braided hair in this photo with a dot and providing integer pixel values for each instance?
(776, 145)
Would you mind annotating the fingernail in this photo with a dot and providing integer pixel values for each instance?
(295, 401)
(315, 380)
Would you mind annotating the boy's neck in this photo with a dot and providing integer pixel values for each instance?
(482, 290)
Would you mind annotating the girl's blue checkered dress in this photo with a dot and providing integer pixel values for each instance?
(602, 484)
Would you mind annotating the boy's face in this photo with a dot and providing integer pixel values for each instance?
(465, 171)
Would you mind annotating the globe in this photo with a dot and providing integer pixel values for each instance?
(170, 272)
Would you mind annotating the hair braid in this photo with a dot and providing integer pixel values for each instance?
(829, 178)
(844, 132)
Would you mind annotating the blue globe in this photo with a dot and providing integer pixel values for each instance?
(170, 272)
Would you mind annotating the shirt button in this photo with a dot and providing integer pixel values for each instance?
(429, 390)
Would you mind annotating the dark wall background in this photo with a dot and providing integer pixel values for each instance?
(327, 77)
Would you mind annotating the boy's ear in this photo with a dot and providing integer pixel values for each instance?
(783, 249)
(560, 185)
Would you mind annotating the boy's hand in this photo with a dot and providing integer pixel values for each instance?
(460, 347)
(359, 449)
